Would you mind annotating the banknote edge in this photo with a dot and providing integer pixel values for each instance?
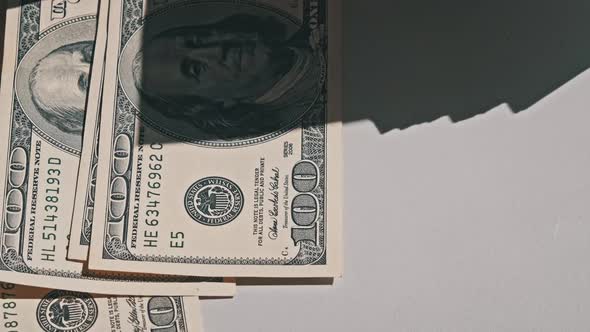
(130, 257)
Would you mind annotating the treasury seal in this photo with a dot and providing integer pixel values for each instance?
(214, 201)
(62, 311)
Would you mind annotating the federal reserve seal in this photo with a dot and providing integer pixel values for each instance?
(214, 201)
(67, 311)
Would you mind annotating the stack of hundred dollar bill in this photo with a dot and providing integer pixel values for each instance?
(152, 151)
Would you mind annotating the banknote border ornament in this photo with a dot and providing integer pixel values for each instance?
(88, 312)
(313, 240)
(19, 148)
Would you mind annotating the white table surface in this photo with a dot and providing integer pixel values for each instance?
(481, 225)
(478, 225)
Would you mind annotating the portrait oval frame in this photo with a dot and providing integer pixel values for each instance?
(79, 29)
(209, 12)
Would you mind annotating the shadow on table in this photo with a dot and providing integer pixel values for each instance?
(278, 282)
(408, 62)
(284, 281)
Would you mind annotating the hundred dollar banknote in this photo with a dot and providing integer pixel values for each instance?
(83, 212)
(220, 143)
(45, 74)
(25, 308)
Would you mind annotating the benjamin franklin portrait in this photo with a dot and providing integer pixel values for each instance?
(59, 84)
(237, 78)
